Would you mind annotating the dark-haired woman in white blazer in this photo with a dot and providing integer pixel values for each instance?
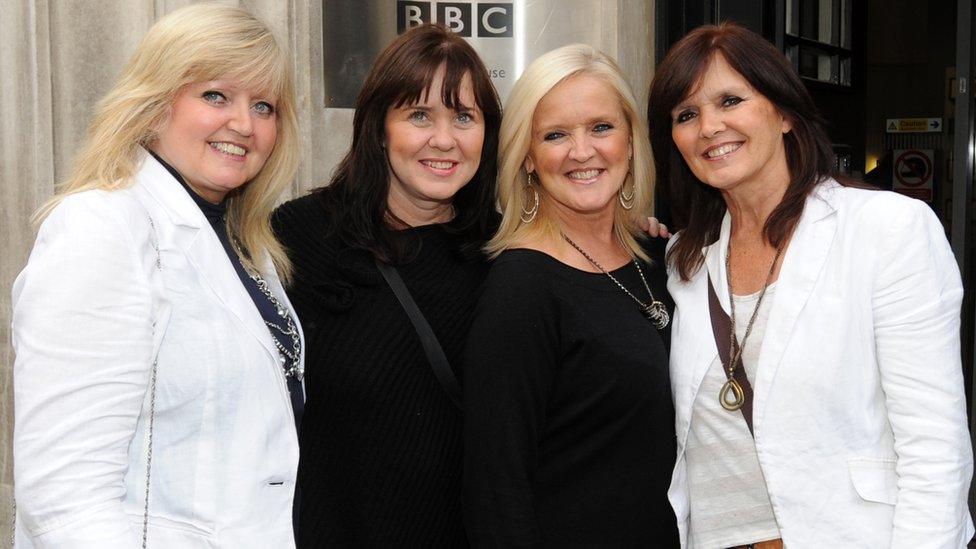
(158, 361)
(844, 306)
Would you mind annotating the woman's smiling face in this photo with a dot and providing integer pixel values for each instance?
(218, 136)
(433, 150)
(728, 133)
(580, 146)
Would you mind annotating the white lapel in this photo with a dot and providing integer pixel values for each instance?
(692, 315)
(192, 233)
(715, 260)
(801, 268)
(714, 269)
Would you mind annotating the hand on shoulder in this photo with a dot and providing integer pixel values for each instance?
(654, 228)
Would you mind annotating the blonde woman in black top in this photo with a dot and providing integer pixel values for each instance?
(569, 438)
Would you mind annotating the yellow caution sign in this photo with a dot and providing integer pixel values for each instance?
(913, 125)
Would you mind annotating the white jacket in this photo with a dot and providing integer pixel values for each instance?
(859, 411)
(90, 311)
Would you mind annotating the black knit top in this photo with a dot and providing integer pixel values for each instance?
(380, 440)
(569, 425)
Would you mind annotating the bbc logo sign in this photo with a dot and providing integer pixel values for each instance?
(467, 19)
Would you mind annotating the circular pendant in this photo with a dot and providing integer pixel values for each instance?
(736, 399)
(657, 313)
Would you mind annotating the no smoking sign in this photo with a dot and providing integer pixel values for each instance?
(912, 173)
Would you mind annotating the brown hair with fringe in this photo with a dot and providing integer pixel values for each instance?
(355, 202)
(698, 209)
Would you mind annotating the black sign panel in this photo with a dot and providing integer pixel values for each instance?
(411, 14)
(455, 16)
(495, 19)
(467, 19)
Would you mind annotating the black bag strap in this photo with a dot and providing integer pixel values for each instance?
(721, 330)
(432, 347)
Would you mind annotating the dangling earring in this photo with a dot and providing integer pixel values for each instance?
(528, 215)
(627, 200)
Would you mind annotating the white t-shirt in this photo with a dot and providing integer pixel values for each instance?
(729, 502)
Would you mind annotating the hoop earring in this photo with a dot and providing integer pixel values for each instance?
(528, 216)
(628, 201)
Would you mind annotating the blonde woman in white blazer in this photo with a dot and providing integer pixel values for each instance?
(850, 427)
(158, 362)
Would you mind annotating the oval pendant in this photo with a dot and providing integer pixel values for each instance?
(738, 396)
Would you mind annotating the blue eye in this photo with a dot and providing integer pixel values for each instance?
(213, 96)
(263, 107)
(552, 136)
(419, 116)
(465, 117)
(602, 127)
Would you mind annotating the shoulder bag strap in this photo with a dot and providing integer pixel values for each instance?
(432, 347)
(721, 330)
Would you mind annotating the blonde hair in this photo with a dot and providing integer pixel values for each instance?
(516, 133)
(197, 43)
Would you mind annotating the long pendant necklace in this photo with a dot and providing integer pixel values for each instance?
(654, 310)
(732, 396)
(290, 359)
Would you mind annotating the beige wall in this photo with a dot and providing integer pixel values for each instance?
(57, 57)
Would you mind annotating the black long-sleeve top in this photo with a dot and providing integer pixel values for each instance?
(568, 418)
(380, 440)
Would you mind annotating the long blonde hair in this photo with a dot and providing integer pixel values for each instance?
(516, 133)
(197, 43)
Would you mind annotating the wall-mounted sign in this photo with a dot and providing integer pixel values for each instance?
(507, 34)
(913, 125)
(467, 19)
(488, 26)
(912, 173)
(354, 34)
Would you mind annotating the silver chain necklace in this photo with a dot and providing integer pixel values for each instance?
(291, 359)
(654, 310)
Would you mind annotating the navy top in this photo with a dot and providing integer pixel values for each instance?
(216, 214)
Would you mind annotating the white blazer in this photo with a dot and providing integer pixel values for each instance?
(859, 412)
(90, 311)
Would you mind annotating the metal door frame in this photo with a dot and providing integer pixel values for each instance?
(962, 187)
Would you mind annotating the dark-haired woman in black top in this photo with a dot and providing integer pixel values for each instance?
(380, 438)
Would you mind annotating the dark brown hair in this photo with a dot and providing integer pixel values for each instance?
(356, 199)
(697, 208)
